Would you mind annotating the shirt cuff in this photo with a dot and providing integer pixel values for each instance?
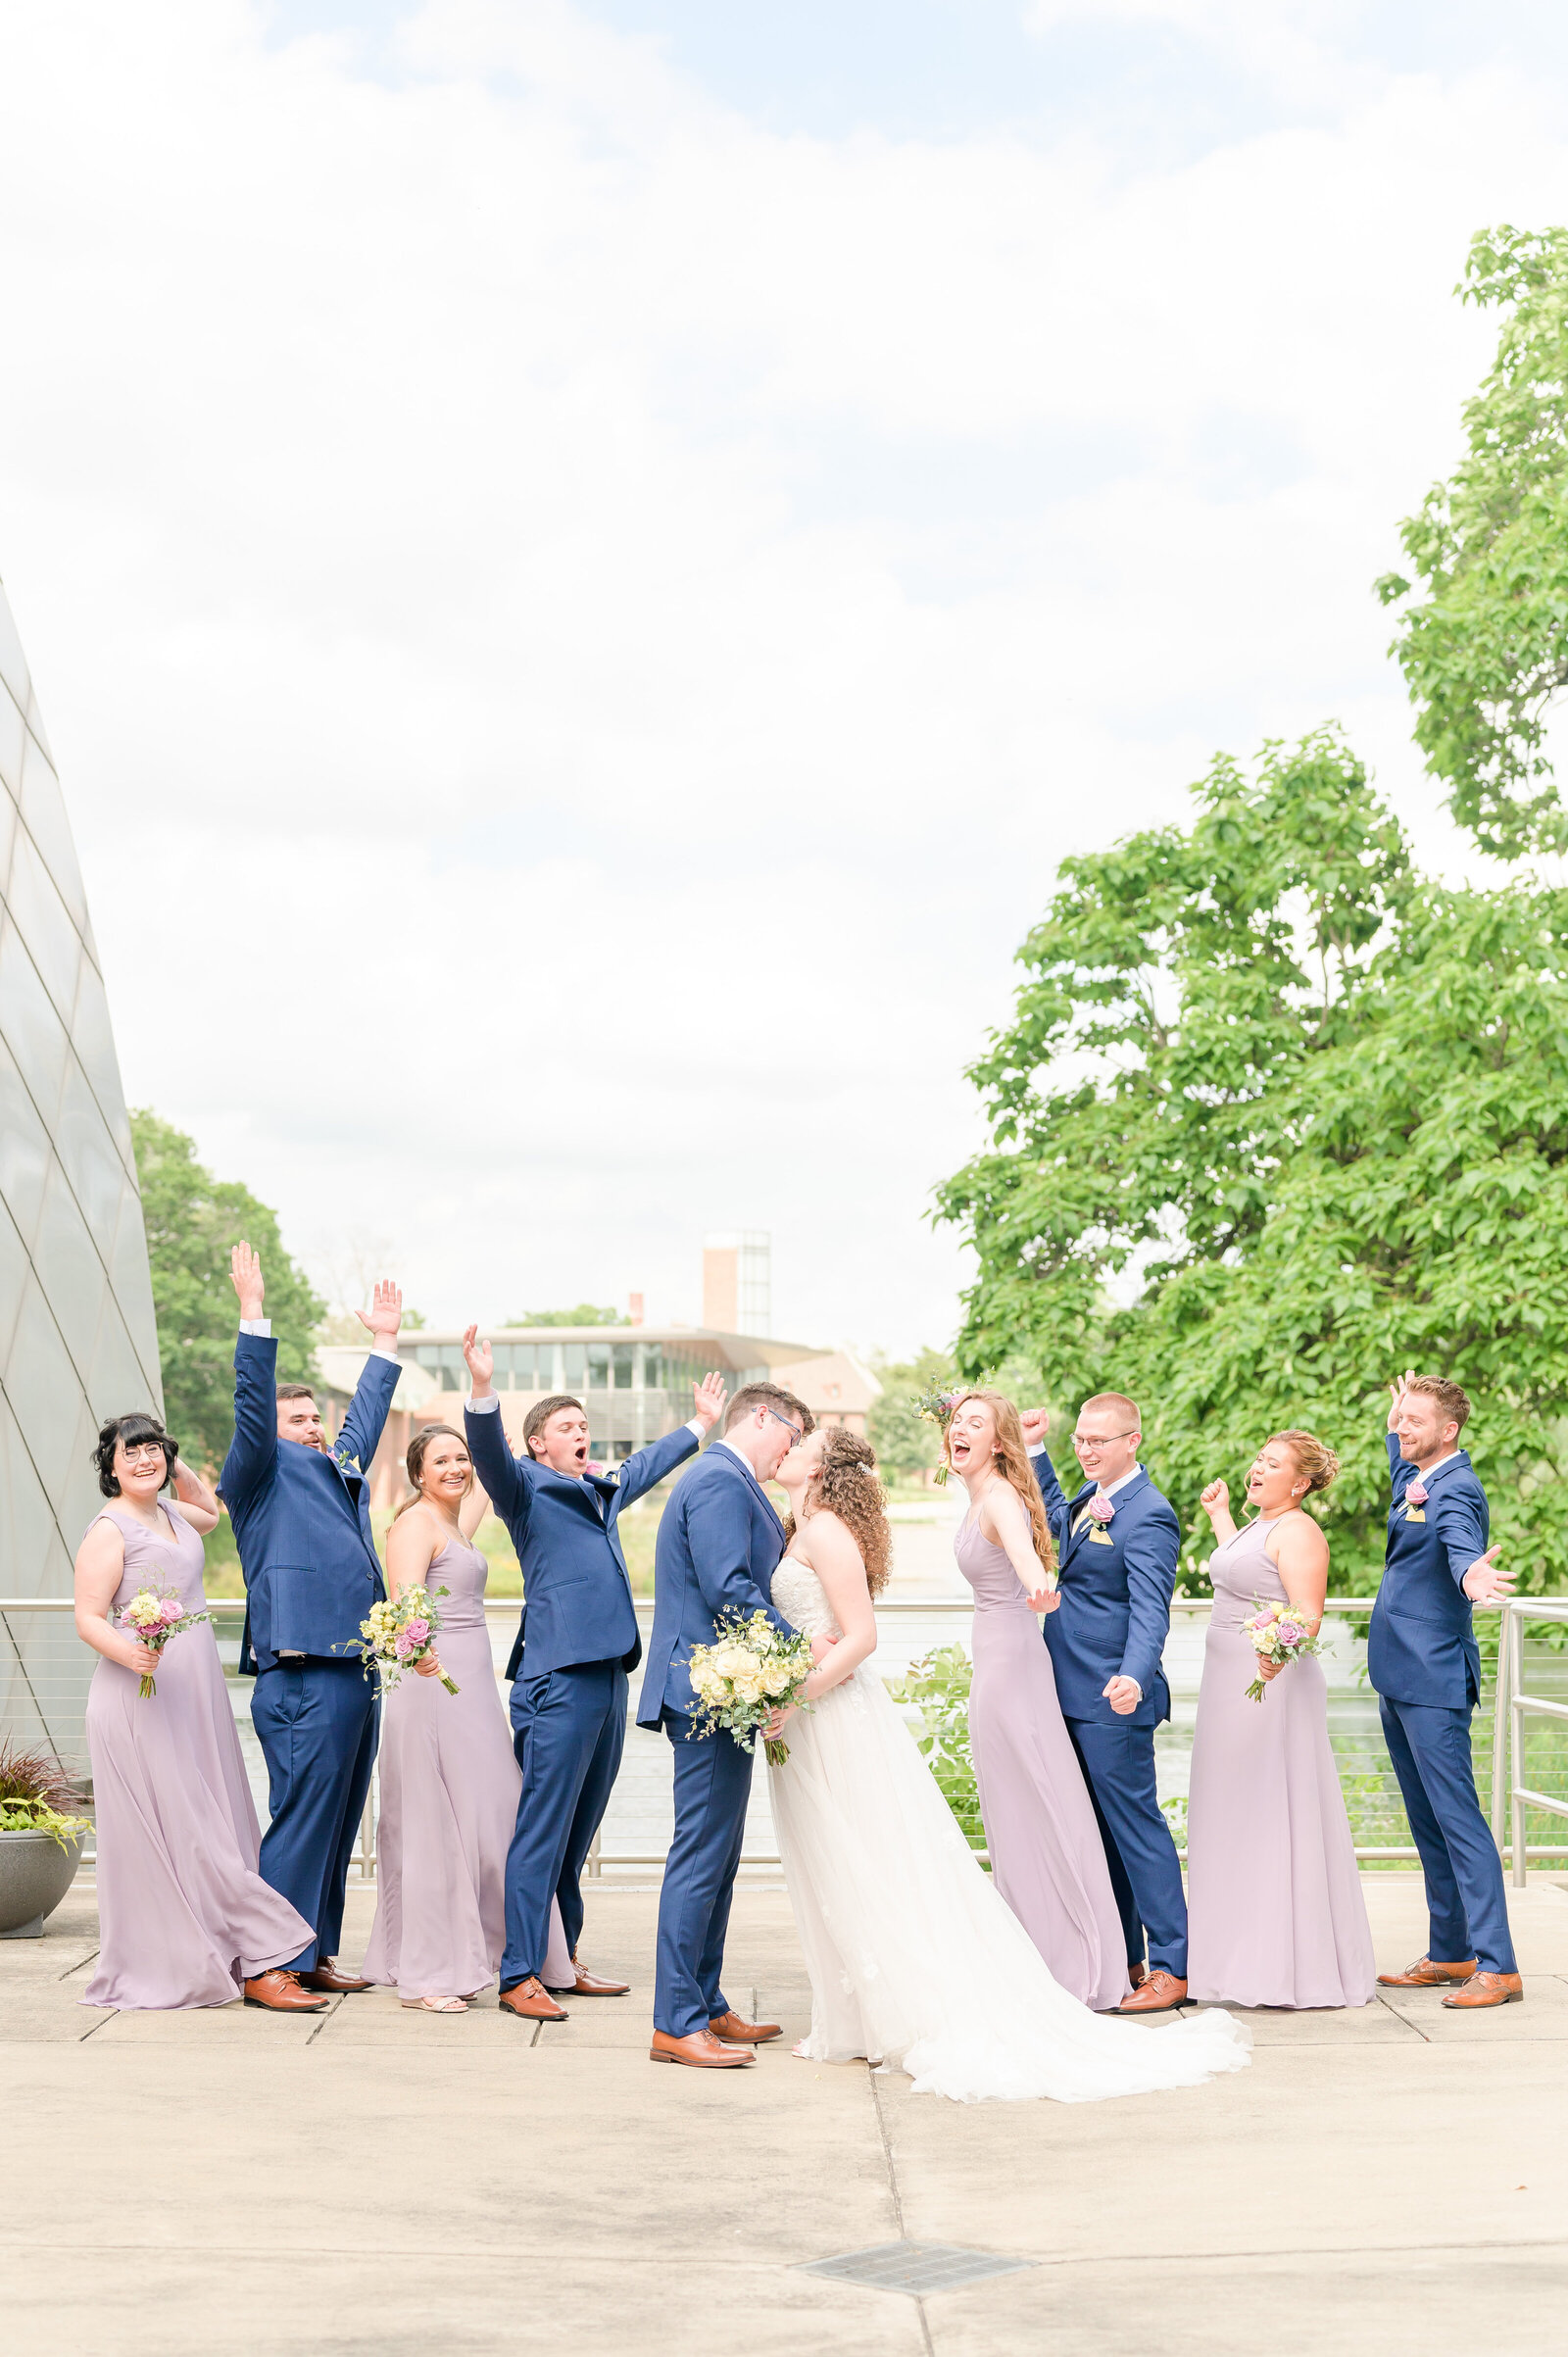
(380, 1350)
(483, 1407)
(1133, 1683)
(695, 1424)
(262, 1327)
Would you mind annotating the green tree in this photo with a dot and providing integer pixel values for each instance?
(192, 1221)
(586, 1314)
(1276, 1118)
(905, 1441)
(1483, 646)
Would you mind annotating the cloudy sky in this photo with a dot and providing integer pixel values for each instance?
(584, 562)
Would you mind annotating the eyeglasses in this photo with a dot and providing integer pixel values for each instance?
(144, 1452)
(1088, 1448)
(794, 1429)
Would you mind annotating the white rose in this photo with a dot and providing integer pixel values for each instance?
(777, 1678)
(748, 1683)
(731, 1660)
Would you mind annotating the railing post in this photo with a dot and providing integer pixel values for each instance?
(1501, 1711)
(593, 1867)
(1516, 1750)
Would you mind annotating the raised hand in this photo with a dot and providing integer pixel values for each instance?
(1036, 1422)
(385, 1313)
(709, 1396)
(1397, 1392)
(245, 1274)
(1215, 1500)
(1486, 1581)
(481, 1362)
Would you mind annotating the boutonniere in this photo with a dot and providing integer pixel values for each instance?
(1416, 1498)
(1101, 1509)
(346, 1463)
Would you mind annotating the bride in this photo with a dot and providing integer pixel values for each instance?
(914, 1959)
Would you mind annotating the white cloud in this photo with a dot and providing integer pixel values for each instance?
(526, 569)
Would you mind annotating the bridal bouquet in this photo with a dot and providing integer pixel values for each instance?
(1278, 1633)
(752, 1670)
(152, 1616)
(398, 1634)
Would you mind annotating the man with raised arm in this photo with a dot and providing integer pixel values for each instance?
(1425, 1668)
(301, 1509)
(1117, 1546)
(576, 1641)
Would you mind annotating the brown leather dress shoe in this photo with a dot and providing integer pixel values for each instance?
(1424, 1974)
(337, 1983)
(531, 2001)
(280, 1993)
(1137, 1974)
(701, 2052)
(743, 2034)
(1486, 1989)
(589, 1984)
(1158, 1993)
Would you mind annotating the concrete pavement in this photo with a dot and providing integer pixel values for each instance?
(372, 2179)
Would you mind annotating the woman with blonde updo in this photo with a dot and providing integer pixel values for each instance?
(448, 1780)
(1274, 1898)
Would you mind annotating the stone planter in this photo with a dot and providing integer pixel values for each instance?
(35, 1874)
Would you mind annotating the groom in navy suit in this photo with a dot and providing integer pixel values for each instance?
(1117, 1546)
(719, 1547)
(576, 1643)
(301, 1509)
(1423, 1663)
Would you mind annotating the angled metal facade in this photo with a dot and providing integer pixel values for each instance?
(78, 1337)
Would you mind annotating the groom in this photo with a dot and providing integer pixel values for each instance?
(718, 1546)
(1117, 1546)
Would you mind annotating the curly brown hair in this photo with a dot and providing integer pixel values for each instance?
(846, 1483)
(1314, 1457)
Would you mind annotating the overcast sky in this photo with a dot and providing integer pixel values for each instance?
(584, 564)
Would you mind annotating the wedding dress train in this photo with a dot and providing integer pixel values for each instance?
(914, 1959)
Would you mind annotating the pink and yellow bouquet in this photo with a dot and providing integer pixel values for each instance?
(154, 1615)
(398, 1634)
(1280, 1633)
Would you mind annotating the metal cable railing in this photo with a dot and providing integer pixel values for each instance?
(45, 1671)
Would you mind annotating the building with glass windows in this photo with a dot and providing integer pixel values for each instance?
(78, 1338)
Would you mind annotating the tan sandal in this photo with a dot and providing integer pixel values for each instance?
(434, 2005)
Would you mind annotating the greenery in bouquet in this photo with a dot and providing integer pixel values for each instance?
(752, 1670)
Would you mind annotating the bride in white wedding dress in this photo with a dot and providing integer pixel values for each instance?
(915, 1961)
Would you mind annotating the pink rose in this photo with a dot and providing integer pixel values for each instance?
(403, 1645)
(1416, 1493)
(417, 1632)
(1101, 1508)
(1291, 1634)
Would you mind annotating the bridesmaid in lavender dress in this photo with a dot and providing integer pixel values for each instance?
(184, 1918)
(1047, 1856)
(449, 1780)
(1277, 1916)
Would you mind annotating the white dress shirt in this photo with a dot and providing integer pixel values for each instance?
(262, 1327)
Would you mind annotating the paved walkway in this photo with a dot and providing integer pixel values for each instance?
(382, 2182)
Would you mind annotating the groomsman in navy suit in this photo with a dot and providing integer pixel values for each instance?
(576, 1640)
(1118, 1545)
(301, 1509)
(1422, 1660)
(719, 1547)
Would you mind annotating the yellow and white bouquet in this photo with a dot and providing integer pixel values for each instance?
(398, 1634)
(153, 1616)
(752, 1670)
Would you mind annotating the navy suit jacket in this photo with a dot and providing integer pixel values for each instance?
(1421, 1646)
(576, 1589)
(719, 1547)
(1116, 1587)
(302, 1519)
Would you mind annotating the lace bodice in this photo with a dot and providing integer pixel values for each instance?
(798, 1594)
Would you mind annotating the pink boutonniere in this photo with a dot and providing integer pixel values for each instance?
(1101, 1508)
(1416, 1493)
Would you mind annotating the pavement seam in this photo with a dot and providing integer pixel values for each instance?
(322, 2024)
(898, 2199)
(97, 2026)
(78, 1968)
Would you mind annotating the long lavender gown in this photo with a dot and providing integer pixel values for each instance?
(449, 1801)
(1047, 1856)
(183, 1917)
(1274, 1900)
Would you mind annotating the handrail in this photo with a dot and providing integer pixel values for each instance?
(1516, 1612)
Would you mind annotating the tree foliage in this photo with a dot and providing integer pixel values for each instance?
(192, 1222)
(1276, 1118)
(1485, 648)
(905, 1441)
(586, 1314)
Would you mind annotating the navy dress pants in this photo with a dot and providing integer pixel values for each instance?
(1118, 1764)
(712, 1784)
(1430, 1748)
(568, 1727)
(318, 1722)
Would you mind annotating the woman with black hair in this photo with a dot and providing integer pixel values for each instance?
(184, 1918)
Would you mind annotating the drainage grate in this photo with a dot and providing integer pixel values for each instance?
(914, 2267)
